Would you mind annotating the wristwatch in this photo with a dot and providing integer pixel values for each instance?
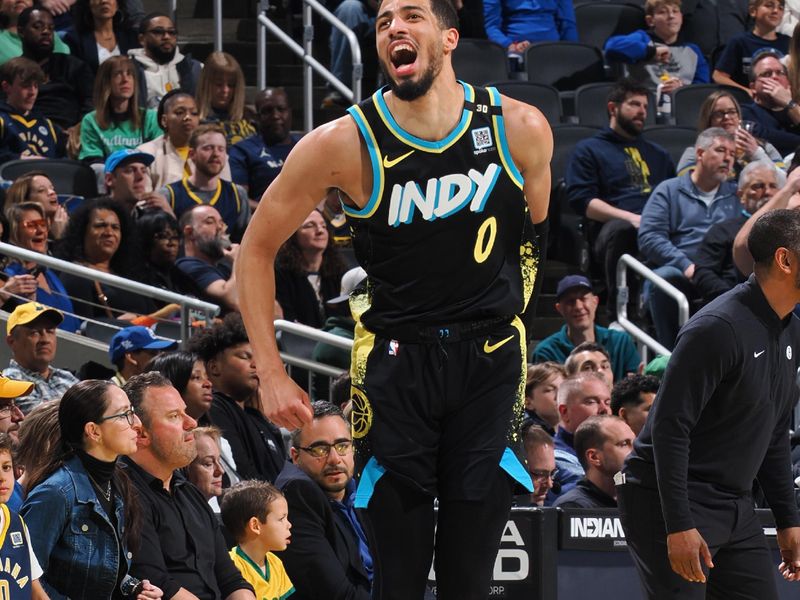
(791, 104)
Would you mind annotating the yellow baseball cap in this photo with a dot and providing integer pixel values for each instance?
(30, 311)
(12, 388)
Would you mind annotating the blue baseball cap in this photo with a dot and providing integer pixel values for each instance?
(116, 158)
(136, 338)
(570, 282)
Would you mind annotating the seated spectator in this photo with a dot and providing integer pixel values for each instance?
(29, 231)
(160, 240)
(101, 31)
(31, 336)
(721, 109)
(256, 514)
(23, 132)
(10, 419)
(117, 122)
(331, 209)
(206, 471)
(676, 218)
(178, 117)
(38, 436)
(710, 24)
(631, 399)
(515, 25)
(81, 488)
(35, 186)
(257, 444)
(541, 391)
(66, 94)
(715, 272)
(161, 65)
(100, 236)
(736, 61)
(61, 10)
(26, 568)
(308, 272)
(132, 348)
(329, 549)
(209, 154)
(10, 42)
(590, 357)
(209, 256)
(541, 461)
(580, 396)
(221, 97)
(775, 113)
(258, 159)
(601, 443)
(339, 322)
(577, 305)
(182, 550)
(610, 177)
(656, 56)
(127, 179)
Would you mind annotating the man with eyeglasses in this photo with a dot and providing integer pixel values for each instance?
(541, 461)
(775, 112)
(328, 558)
(31, 335)
(161, 65)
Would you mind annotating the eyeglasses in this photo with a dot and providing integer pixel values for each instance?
(721, 114)
(7, 409)
(540, 475)
(161, 32)
(772, 73)
(129, 415)
(323, 450)
(35, 224)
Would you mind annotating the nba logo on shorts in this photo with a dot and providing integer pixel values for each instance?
(481, 138)
(394, 347)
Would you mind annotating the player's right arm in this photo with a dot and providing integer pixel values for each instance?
(326, 157)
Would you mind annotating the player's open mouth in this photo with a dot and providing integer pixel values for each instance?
(403, 56)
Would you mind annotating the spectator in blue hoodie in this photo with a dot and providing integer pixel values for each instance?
(611, 175)
(514, 24)
(656, 55)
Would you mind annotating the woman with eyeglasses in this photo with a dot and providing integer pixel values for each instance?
(81, 511)
(721, 109)
(160, 241)
(29, 228)
(308, 272)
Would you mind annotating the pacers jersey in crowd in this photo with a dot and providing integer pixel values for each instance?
(15, 561)
(445, 235)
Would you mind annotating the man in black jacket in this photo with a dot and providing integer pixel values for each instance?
(720, 420)
(328, 558)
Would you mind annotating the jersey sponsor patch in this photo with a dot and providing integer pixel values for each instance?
(16, 539)
(481, 138)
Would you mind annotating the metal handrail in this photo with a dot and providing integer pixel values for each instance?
(312, 65)
(627, 261)
(186, 303)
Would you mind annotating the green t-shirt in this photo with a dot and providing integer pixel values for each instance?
(11, 46)
(99, 143)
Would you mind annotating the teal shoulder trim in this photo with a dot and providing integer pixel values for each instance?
(502, 141)
(375, 160)
(511, 465)
(372, 472)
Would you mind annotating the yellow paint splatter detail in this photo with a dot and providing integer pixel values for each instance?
(529, 267)
(519, 404)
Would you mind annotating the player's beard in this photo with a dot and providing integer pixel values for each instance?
(411, 90)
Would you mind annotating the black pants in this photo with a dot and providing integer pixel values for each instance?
(743, 565)
(615, 238)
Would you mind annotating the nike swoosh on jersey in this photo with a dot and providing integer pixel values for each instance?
(489, 348)
(757, 354)
(388, 164)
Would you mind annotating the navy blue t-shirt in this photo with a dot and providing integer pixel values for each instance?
(255, 164)
(735, 58)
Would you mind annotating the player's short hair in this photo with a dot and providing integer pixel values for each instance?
(445, 13)
(245, 500)
(590, 434)
(627, 391)
(775, 229)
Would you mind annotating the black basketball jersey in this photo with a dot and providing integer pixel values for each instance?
(445, 236)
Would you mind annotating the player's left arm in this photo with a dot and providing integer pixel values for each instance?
(531, 143)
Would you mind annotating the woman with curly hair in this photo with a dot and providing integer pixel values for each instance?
(100, 236)
(101, 30)
(308, 272)
(117, 122)
(220, 96)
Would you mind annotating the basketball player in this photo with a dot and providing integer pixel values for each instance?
(720, 420)
(442, 184)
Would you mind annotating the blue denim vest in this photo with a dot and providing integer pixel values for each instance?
(72, 535)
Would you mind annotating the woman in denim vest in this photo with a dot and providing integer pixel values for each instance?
(80, 512)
